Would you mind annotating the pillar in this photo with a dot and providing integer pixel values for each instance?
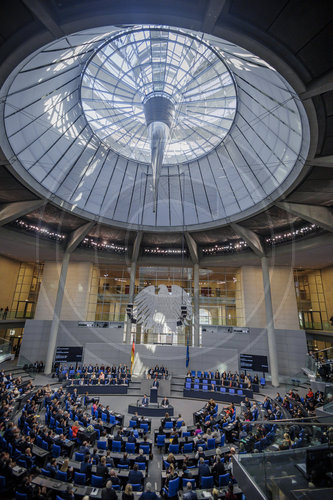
(196, 303)
(56, 314)
(270, 323)
(130, 300)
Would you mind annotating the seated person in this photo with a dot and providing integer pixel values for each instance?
(124, 460)
(141, 457)
(135, 476)
(52, 467)
(145, 401)
(114, 478)
(189, 494)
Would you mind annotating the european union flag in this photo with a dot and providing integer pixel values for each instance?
(187, 354)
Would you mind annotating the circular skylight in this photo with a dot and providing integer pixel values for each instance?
(142, 62)
(76, 111)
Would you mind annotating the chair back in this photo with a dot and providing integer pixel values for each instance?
(61, 476)
(97, 481)
(173, 487)
(130, 447)
(79, 478)
(207, 482)
(224, 480)
(174, 448)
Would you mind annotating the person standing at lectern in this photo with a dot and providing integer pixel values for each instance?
(145, 400)
(156, 383)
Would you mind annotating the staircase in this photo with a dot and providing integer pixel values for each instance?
(134, 388)
(19, 372)
(177, 387)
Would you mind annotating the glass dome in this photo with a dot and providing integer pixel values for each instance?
(142, 62)
(49, 112)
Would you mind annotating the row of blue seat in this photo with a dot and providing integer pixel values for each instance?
(230, 390)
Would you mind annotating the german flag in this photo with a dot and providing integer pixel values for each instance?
(132, 356)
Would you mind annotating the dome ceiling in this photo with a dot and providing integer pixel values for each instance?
(240, 145)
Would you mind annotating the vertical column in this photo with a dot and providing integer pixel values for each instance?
(130, 300)
(56, 314)
(196, 304)
(270, 323)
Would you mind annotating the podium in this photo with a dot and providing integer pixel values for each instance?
(153, 394)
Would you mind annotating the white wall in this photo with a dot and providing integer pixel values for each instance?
(76, 294)
(283, 297)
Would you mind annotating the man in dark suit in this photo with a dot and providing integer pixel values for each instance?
(141, 457)
(204, 469)
(145, 400)
(218, 470)
(135, 476)
(109, 493)
(156, 383)
(131, 438)
(101, 469)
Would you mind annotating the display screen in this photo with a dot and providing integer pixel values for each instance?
(253, 362)
(69, 354)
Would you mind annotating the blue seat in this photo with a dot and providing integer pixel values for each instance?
(240, 392)
(188, 379)
(56, 451)
(52, 422)
(174, 448)
(231, 391)
(192, 481)
(141, 465)
(45, 445)
(206, 374)
(192, 373)
(196, 387)
(224, 480)
(21, 496)
(222, 440)
(205, 387)
(130, 447)
(145, 448)
(97, 481)
(2, 483)
(144, 427)
(123, 466)
(113, 420)
(188, 385)
(61, 476)
(104, 417)
(207, 482)
(196, 381)
(211, 444)
(45, 472)
(173, 488)
(132, 423)
(59, 498)
(79, 457)
(80, 478)
(136, 487)
(101, 445)
(168, 425)
(116, 446)
(188, 448)
(186, 433)
(199, 374)
(116, 486)
(160, 440)
(223, 389)
(39, 441)
(262, 381)
(59, 431)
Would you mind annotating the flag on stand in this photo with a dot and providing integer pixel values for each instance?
(132, 356)
(187, 353)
